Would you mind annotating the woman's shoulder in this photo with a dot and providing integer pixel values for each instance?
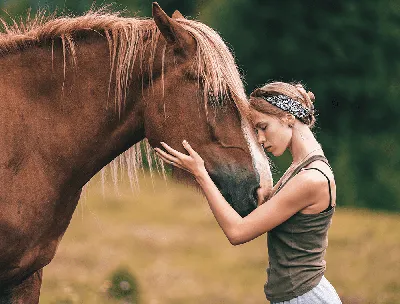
(319, 177)
(308, 178)
(318, 171)
(302, 187)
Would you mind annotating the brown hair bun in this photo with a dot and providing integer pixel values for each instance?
(295, 91)
(311, 95)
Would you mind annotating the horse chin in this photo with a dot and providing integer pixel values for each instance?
(244, 208)
(240, 194)
(239, 190)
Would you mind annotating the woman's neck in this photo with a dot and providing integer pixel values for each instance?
(303, 143)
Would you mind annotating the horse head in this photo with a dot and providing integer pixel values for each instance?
(197, 95)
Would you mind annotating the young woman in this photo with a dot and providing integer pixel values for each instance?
(298, 213)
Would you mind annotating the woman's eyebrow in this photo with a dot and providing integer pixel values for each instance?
(258, 124)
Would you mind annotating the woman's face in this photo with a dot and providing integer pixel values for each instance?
(272, 133)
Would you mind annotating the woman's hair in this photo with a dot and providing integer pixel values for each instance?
(295, 91)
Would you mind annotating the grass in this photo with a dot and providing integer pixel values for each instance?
(166, 236)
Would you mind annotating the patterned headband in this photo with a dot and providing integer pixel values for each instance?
(287, 104)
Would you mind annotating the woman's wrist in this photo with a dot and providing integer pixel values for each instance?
(201, 175)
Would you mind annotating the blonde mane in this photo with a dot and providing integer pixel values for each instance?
(128, 39)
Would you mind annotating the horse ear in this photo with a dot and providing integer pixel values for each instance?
(177, 15)
(173, 32)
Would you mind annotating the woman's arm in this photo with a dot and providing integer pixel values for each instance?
(298, 193)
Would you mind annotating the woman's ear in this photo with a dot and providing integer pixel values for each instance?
(290, 119)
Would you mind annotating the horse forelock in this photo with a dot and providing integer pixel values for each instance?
(128, 39)
(216, 65)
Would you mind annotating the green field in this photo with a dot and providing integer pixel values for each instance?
(168, 239)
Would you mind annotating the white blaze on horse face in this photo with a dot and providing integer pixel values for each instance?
(260, 160)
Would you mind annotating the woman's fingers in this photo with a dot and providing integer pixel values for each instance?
(190, 163)
(165, 156)
(173, 151)
(169, 161)
(188, 148)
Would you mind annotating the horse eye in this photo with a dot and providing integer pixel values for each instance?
(189, 75)
(215, 100)
(212, 98)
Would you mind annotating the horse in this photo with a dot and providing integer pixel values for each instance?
(78, 93)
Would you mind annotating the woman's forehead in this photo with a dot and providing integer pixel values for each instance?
(257, 117)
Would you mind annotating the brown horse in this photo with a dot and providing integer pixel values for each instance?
(77, 92)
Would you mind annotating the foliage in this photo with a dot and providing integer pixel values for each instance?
(124, 286)
(347, 54)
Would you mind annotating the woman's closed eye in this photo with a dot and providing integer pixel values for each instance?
(260, 128)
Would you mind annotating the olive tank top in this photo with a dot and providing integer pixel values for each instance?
(296, 249)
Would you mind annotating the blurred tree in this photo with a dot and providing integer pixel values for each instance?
(133, 7)
(124, 286)
(347, 53)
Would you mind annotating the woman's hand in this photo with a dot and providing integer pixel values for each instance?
(262, 195)
(192, 163)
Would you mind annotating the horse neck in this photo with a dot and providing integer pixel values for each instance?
(65, 115)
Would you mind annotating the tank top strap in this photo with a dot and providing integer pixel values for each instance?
(301, 166)
(309, 161)
(329, 187)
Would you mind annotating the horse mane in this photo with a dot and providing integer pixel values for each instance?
(128, 39)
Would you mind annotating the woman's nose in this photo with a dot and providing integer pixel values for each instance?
(260, 138)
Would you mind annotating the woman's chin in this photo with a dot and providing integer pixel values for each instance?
(273, 151)
(277, 153)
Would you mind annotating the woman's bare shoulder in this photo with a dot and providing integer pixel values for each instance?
(324, 167)
(319, 196)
